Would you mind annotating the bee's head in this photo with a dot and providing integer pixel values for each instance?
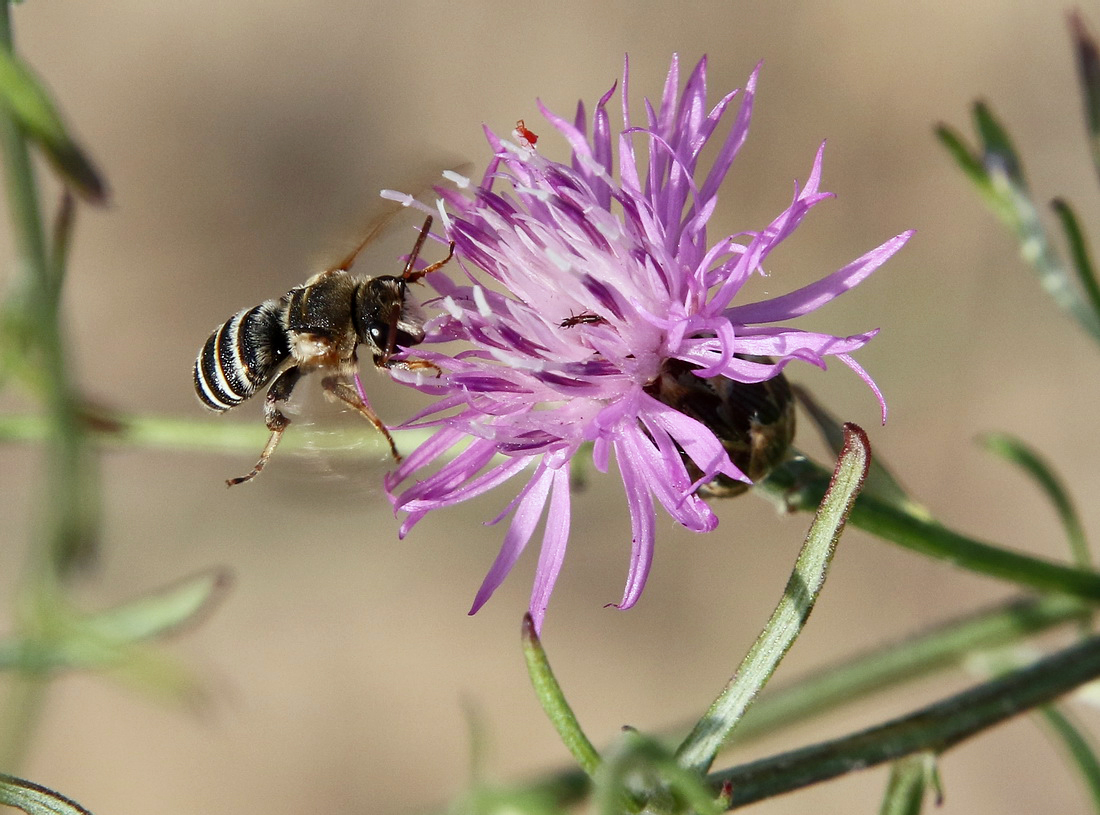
(384, 318)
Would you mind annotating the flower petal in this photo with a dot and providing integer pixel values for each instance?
(809, 298)
(529, 510)
(554, 539)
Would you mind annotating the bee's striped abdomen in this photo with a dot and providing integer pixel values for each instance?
(241, 356)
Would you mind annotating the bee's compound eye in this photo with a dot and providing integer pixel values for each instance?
(378, 334)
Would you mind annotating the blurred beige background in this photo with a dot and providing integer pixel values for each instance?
(245, 143)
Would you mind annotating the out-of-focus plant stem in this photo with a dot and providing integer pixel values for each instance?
(67, 523)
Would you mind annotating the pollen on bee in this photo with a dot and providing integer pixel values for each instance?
(310, 347)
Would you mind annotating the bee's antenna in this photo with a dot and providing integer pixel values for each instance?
(409, 274)
(423, 236)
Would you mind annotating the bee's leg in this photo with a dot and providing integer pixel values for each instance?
(277, 423)
(339, 388)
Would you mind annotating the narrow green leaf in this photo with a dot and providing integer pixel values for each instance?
(946, 646)
(1079, 252)
(998, 174)
(799, 485)
(1079, 748)
(968, 160)
(714, 729)
(29, 103)
(1088, 71)
(1015, 451)
(162, 612)
(61, 240)
(35, 799)
(908, 782)
(998, 154)
(63, 639)
(935, 728)
(553, 701)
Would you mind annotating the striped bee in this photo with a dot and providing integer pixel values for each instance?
(316, 326)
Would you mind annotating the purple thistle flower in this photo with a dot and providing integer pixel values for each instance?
(582, 286)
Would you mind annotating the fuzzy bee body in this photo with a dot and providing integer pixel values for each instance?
(241, 356)
(755, 422)
(316, 326)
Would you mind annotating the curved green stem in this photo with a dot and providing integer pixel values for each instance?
(715, 728)
(554, 703)
(935, 728)
(801, 485)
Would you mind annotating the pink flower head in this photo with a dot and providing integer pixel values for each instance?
(582, 283)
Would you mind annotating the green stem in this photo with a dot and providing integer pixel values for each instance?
(206, 434)
(935, 728)
(836, 685)
(71, 508)
(802, 489)
(22, 193)
(24, 699)
(554, 703)
(69, 513)
(715, 728)
(944, 647)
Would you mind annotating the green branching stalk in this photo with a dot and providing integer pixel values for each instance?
(995, 169)
(715, 728)
(800, 485)
(934, 729)
(72, 502)
(947, 646)
(205, 433)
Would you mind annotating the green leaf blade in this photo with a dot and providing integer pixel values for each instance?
(35, 799)
(1088, 71)
(1015, 451)
(1079, 749)
(1079, 253)
(162, 612)
(31, 106)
